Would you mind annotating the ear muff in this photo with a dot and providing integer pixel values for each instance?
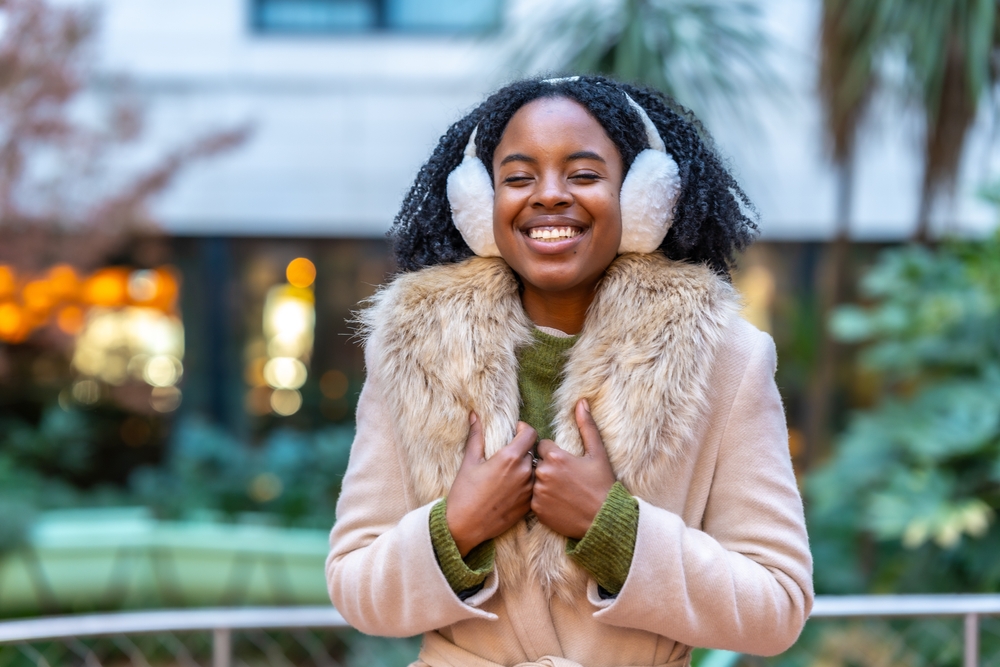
(648, 195)
(649, 192)
(470, 194)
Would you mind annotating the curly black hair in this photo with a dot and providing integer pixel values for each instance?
(713, 218)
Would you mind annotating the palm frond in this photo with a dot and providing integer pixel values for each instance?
(703, 53)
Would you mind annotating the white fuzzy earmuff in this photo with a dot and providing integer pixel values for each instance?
(648, 195)
(470, 194)
(649, 192)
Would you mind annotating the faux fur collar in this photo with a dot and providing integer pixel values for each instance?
(446, 340)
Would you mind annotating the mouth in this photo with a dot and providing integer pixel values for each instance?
(553, 234)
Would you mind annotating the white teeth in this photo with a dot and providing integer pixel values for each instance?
(553, 233)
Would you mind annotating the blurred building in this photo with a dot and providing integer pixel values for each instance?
(347, 98)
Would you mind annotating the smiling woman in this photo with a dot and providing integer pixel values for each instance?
(570, 448)
(556, 214)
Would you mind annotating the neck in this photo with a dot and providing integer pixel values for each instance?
(564, 311)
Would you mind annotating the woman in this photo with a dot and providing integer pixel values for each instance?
(570, 448)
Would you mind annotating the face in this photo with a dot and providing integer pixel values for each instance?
(556, 215)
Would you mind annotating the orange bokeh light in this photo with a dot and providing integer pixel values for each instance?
(62, 297)
(12, 322)
(64, 283)
(106, 287)
(8, 281)
(70, 320)
(167, 287)
(36, 296)
(301, 272)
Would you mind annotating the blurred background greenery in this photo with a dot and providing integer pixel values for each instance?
(162, 388)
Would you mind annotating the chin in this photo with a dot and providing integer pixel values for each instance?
(553, 283)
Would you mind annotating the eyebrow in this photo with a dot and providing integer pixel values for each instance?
(579, 155)
(517, 157)
(585, 155)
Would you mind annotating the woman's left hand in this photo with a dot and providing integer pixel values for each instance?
(570, 490)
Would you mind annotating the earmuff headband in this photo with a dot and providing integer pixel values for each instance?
(647, 198)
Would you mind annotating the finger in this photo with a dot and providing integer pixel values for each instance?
(546, 447)
(593, 445)
(520, 427)
(475, 444)
(524, 440)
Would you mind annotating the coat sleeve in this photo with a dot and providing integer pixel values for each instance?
(743, 582)
(381, 572)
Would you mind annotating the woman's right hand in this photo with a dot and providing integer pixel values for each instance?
(490, 496)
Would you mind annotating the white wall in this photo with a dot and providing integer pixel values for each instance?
(343, 123)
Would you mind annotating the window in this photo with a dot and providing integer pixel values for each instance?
(329, 16)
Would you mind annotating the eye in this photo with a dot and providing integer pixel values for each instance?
(516, 179)
(585, 177)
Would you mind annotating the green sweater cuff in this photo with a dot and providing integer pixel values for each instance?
(462, 574)
(606, 550)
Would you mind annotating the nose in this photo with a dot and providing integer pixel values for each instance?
(551, 193)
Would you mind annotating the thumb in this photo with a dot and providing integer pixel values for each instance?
(475, 444)
(524, 438)
(593, 445)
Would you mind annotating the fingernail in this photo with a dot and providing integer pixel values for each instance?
(472, 418)
(586, 405)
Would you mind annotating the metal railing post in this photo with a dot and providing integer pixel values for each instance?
(222, 647)
(971, 640)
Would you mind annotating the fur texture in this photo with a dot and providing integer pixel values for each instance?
(447, 338)
(648, 196)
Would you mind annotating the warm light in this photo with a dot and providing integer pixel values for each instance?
(258, 401)
(289, 318)
(167, 287)
(88, 360)
(139, 342)
(333, 384)
(286, 402)
(265, 487)
(142, 285)
(63, 282)
(36, 296)
(70, 320)
(11, 320)
(104, 330)
(757, 285)
(301, 272)
(253, 374)
(285, 373)
(8, 281)
(162, 370)
(86, 391)
(115, 369)
(165, 399)
(153, 332)
(106, 287)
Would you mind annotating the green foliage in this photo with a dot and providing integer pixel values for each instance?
(293, 475)
(917, 476)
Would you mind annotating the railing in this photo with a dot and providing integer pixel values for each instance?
(222, 622)
(970, 607)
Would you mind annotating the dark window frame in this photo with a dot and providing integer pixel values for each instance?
(381, 25)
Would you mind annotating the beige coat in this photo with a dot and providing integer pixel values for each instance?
(682, 390)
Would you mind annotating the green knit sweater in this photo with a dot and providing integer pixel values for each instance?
(606, 550)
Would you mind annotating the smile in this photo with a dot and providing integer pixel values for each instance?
(553, 233)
